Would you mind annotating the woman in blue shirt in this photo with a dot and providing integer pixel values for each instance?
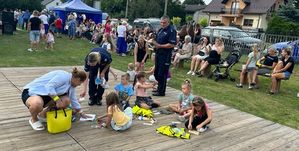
(54, 89)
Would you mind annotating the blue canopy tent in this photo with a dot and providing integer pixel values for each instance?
(80, 8)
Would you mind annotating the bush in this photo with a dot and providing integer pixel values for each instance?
(189, 19)
(176, 21)
(203, 22)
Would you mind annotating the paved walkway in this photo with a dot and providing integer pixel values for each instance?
(230, 129)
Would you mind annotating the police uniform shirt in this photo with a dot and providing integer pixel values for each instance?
(166, 35)
(105, 59)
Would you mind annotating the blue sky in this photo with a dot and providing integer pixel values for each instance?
(207, 1)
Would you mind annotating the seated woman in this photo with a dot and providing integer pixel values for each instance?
(250, 69)
(202, 52)
(214, 56)
(54, 89)
(183, 53)
(269, 62)
(283, 69)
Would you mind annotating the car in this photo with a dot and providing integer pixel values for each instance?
(294, 45)
(153, 23)
(232, 36)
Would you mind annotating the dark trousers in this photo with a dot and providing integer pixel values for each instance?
(96, 91)
(197, 120)
(162, 63)
(25, 23)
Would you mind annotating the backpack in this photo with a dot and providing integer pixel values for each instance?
(142, 112)
(173, 131)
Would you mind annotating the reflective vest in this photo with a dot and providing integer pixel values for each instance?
(173, 131)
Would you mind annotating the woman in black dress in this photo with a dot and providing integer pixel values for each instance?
(140, 53)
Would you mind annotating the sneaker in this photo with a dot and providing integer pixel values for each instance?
(298, 95)
(239, 85)
(30, 50)
(181, 118)
(123, 54)
(201, 130)
(250, 87)
(193, 74)
(189, 72)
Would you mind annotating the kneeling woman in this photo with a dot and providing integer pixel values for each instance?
(54, 89)
(201, 115)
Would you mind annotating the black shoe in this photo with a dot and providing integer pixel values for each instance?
(99, 103)
(91, 102)
(155, 91)
(158, 94)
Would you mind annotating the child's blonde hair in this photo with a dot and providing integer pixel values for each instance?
(127, 76)
(187, 82)
(131, 66)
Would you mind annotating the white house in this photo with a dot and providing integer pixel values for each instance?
(51, 3)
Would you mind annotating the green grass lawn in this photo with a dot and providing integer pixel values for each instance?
(282, 108)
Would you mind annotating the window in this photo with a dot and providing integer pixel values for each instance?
(235, 7)
(57, 3)
(248, 22)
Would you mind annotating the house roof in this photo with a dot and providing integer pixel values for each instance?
(215, 6)
(194, 8)
(258, 6)
(254, 7)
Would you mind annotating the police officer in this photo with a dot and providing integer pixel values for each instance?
(97, 64)
(164, 44)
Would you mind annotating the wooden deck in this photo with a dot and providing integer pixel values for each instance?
(230, 129)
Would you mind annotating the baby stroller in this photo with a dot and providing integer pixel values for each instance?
(232, 58)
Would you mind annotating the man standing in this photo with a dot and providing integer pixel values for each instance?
(164, 44)
(34, 26)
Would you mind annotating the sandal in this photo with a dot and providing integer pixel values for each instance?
(38, 126)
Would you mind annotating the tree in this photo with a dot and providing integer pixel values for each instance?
(281, 26)
(21, 4)
(289, 12)
(115, 8)
(194, 2)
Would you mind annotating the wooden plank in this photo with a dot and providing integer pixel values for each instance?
(251, 143)
(289, 146)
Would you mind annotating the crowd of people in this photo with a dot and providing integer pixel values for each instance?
(166, 47)
(57, 88)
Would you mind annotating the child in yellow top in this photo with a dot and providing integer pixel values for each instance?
(116, 118)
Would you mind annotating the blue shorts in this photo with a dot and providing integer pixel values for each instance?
(287, 75)
(34, 35)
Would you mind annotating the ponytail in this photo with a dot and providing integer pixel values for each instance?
(79, 74)
(187, 82)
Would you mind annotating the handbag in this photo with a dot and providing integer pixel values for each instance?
(59, 120)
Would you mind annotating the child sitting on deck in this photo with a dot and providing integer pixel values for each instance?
(143, 100)
(183, 107)
(201, 115)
